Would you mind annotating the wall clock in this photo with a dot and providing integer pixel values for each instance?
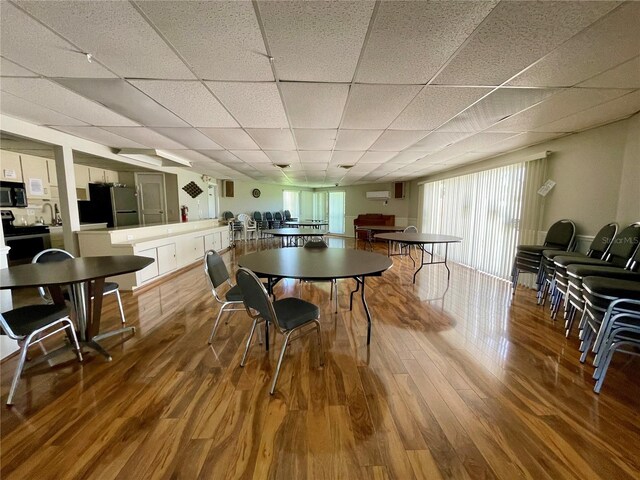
(255, 192)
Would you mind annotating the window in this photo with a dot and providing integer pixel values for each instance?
(291, 202)
(336, 212)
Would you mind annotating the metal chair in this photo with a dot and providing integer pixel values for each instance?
(260, 223)
(29, 325)
(278, 221)
(269, 219)
(334, 284)
(249, 226)
(57, 255)
(288, 217)
(234, 226)
(288, 315)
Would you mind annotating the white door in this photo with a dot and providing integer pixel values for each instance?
(336, 212)
(151, 195)
(212, 200)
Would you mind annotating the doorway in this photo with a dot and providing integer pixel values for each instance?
(152, 198)
(212, 200)
(336, 212)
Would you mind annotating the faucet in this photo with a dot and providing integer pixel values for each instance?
(50, 211)
(58, 219)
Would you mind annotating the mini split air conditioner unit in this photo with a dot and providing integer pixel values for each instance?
(382, 195)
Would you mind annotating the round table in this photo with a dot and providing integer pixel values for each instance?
(319, 264)
(86, 277)
(421, 239)
(372, 229)
(290, 236)
(308, 223)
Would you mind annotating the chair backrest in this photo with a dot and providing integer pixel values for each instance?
(215, 269)
(602, 241)
(277, 216)
(227, 216)
(287, 215)
(561, 235)
(255, 297)
(316, 244)
(257, 216)
(268, 216)
(624, 246)
(48, 256)
(410, 229)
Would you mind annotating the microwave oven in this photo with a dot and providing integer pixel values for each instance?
(13, 194)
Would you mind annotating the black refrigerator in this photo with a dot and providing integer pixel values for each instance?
(118, 206)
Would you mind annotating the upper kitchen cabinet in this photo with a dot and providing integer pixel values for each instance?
(110, 176)
(10, 166)
(53, 175)
(82, 181)
(36, 177)
(96, 175)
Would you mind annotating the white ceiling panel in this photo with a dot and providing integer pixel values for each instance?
(316, 41)
(607, 43)
(410, 41)
(376, 106)
(310, 156)
(221, 156)
(358, 140)
(53, 96)
(438, 140)
(515, 35)
(315, 139)
(396, 140)
(314, 105)
(10, 69)
(251, 156)
(408, 156)
(607, 112)
(146, 137)
(562, 104)
(435, 105)
(315, 166)
(20, 108)
(190, 138)
(377, 157)
(220, 40)
(518, 141)
(114, 33)
(273, 138)
(101, 136)
(500, 104)
(231, 138)
(32, 45)
(279, 156)
(194, 157)
(477, 142)
(191, 101)
(345, 158)
(254, 105)
(626, 75)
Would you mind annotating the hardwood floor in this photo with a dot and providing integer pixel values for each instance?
(458, 382)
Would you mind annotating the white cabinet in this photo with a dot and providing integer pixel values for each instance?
(82, 181)
(110, 176)
(36, 176)
(96, 175)
(225, 239)
(150, 271)
(10, 170)
(167, 260)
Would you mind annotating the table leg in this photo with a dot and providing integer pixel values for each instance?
(446, 252)
(352, 292)
(366, 310)
(421, 264)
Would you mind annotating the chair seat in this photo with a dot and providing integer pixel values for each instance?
(551, 254)
(293, 312)
(25, 320)
(580, 271)
(601, 291)
(234, 294)
(566, 260)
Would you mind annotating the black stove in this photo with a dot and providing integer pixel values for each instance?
(11, 230)
(25, 241)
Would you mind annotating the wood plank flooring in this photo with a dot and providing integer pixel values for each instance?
(461, 381)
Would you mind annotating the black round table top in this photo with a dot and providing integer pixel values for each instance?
(315, 263)
(381, 228)
(307, 223)
(72, 270)
(295, 232)
(418, 238)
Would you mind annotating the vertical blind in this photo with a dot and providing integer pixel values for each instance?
(291, 202)
(485, 209)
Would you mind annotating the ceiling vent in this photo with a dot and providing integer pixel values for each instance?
(282, 165)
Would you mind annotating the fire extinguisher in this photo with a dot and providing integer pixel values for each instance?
(184, 210)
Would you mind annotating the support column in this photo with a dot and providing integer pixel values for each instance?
(7, 346)
(68, 198)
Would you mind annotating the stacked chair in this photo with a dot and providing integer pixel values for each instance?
(288, 217)
(560, 236)
(234, 225)
(249, 226)
(260, 223)
(278, 221)
(268, 217)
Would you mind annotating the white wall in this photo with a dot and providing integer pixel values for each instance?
(199, 206)
(243, 201)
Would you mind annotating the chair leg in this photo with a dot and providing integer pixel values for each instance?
(120, 306)
(18, 372)
(74, 339)
(246, 350)
(282, 352)
(215, 325)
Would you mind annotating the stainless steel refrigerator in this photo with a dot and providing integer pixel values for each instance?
(118, 206)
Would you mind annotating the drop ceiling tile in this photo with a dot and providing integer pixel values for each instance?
(436, 105)
(376, 157)
(231, 138)
(10, 69)
(252, 156)
(272, 138)
(190, 138)
(612, 40)
(315, 139)
(476, 142)
(515, 35)
(345, 158)
(310, 156)
(314, 105)
(376, 106)
(599, 115)
(403, 31)
(146, 137)
(220, 40)
(315, 166)
(626, 75)
(51, 95)
(29, 43)
(221, 156)
(396, 140)
(254, 105)
(114, 33)
(500, 104)
(437, 140)
(100, 136)
(191, 101)
(279, 156)
(562, 104)
(358, 140)
(408, 156)
(192, 156)
(20, 108)
(316, 41)
(518, 141)
(120, 97)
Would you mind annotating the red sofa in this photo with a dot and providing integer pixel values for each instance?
(372, 219)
